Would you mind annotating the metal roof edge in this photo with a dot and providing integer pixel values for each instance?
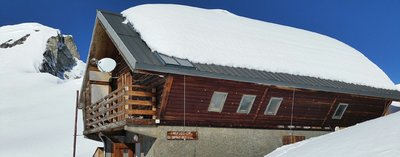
(193, 72)
(136, 64)
(119, 44)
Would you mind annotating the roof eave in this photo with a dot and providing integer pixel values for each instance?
(192, 72)
(117, 41)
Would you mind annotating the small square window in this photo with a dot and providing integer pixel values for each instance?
(217, 101)
(184, 62)
(340, 111)
(273, 106)
(168, 59)
(246, 103)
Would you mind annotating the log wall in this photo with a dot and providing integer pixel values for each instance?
(312, 109)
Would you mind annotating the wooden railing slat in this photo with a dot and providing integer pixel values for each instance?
(141, 112)
(105, 111)
(117, 107)
(140, 93)
(99, 105)
(140, 102)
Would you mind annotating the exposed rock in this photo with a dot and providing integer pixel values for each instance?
(69, 42)
(10, 43)
(59, 56)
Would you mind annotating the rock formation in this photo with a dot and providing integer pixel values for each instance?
(11, 43)
(61, 55)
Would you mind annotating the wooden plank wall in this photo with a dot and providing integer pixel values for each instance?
(311, 108)
(289, 139)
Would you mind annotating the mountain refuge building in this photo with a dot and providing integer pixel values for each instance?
(200, 82)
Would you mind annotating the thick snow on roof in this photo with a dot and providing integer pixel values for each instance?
(215, 36)
(36, 109)
(378, 137)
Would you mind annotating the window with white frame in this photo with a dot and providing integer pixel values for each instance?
(246, 103)
(340, 111)
(273, 106)
(217, 101)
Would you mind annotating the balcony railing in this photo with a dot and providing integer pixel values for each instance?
(132, 104)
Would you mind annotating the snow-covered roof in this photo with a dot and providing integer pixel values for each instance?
(214, 36)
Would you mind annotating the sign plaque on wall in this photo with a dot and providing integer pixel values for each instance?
(182, 135)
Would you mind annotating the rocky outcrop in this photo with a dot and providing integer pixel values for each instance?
(11, 43)
(60, 56)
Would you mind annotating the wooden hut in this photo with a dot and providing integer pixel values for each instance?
(159, 105)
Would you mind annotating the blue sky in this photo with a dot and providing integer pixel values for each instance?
(372, 27)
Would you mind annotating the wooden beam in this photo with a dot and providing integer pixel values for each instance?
(92, 68)
(330, 109)
(140, 102)
(386, 108)
(165, 95)
(140, 121)
(140, 112)
(260, 104)
(99, 82)
(140, 93)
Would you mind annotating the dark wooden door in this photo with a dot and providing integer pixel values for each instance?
(122, 150)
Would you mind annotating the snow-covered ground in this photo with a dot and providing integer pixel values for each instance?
(374, 138)
(216, 36)
(36, 109)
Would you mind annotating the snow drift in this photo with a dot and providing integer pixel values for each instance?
(36, 109)
(218, 37)
(378, 137)
(396, 103)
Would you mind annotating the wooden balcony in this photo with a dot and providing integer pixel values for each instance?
(132, 104)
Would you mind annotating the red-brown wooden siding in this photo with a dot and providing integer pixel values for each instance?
(310, 109)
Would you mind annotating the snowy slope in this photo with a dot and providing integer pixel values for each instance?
(36, 109)
(219, 37)
(374, 138)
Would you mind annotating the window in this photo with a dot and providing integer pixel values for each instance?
(175, 61)
(273, 106)
(184, 62)
(340, 111)
(217, 101)
(168, 59)
(246, 103)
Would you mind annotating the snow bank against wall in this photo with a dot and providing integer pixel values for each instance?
(374, 138)
(216, 36)
(396, 103)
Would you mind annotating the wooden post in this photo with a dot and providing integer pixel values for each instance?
(75, 124)
(165, 95)
(137, 150)
(260, 104)
(330, 109)
(386, 107)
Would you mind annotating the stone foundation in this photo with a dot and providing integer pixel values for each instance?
(218, 142)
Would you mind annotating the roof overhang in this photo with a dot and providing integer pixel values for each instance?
(139, 57)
